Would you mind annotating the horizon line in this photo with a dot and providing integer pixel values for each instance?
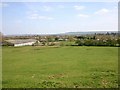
(56, 33)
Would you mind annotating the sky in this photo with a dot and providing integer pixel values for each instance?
(57, 17)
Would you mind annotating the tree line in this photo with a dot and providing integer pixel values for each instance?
(103, 40)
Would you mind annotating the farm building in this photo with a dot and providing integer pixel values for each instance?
(21, 42)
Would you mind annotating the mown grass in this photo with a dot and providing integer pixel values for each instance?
(54, 67)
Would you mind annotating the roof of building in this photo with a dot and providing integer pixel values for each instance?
(19, 41)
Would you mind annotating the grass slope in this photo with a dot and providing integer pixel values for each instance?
(49, 67)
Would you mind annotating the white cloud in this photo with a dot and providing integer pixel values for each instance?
(83, 15)
(36, 16)
(47, 8)
(37, 7)
(79, 7)
(102, 11)
(3, 5)
(46, 18)
(33, 16)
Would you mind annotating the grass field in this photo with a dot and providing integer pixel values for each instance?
(49, 67)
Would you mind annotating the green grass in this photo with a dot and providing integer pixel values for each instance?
(49, 67)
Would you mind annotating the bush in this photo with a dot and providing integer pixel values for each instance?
(79, 43)
(89, 42)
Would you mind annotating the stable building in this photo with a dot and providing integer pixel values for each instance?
(21, 42)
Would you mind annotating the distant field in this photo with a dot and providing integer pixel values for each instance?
(49, 67)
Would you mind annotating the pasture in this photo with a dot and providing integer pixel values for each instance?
(60, 67)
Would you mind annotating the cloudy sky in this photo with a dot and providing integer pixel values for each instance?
(58, 17)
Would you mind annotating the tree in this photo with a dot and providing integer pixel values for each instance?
(79, 42)
(56, 38)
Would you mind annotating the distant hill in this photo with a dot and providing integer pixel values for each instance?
(68, 33)
(93, 32)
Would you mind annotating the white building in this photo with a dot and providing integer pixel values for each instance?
(21, 42)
